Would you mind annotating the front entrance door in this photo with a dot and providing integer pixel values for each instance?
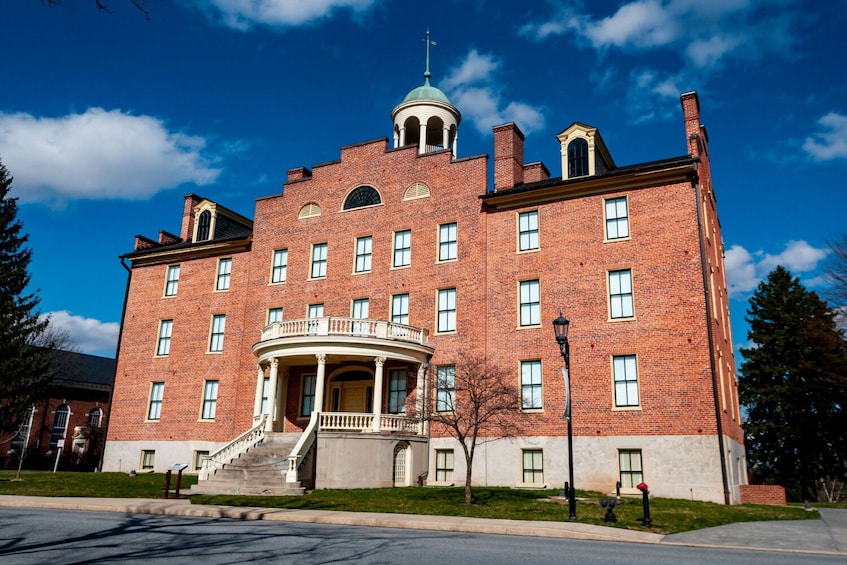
(352, 392)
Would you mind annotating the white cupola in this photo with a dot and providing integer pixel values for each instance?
(426, 117)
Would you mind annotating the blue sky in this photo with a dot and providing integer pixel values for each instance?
(106, 121)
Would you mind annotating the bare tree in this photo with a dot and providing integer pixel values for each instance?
(836, 271)
(140, 5)
(475, 402)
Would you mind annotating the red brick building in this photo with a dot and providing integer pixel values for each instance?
(66, 428)
(314, 337)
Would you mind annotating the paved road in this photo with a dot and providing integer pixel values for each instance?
(44, 536)
(825, 537)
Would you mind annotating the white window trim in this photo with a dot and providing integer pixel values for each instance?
(521, 385)
(521, 325)
(631, 407)
(518, 232)
(609, 295)
(606, 238)
(438, 310)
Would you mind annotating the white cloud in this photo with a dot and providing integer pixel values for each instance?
(471, 86)
(86, 334)
(744, 270)
(244, 14)
(831, 143)
(704, 32)
(98, 154)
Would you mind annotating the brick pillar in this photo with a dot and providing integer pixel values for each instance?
(187, 231)
(508, 156)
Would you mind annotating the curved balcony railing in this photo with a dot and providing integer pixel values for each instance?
(350, 327)
(360, 422)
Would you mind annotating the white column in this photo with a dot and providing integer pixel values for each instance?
(422, 140)
(455, 144)
(379, 362)
(420, 397)
(257, 403)
(445, 138)
(402, 136)
(319, 382)
(269, 426)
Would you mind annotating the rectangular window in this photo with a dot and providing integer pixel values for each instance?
(148, 458)
(210, 400)
(445, 388)
(626, 380)
(530, 295)
(154, 409)
(164, 346)
(200, 457)
(447, 310)
(265, 391)
(533, 466)
(402, 248)
(172, 280)
(444, 465)
(224, 271)
(397, 391)
(319, 260)
(360, 312)
(364, 251)
(447, 242)
(274, 315)
(630, 465)
(279, 269)
(528, 230)
(314, 311)
(400, 309)
(216, 340)
(307, 404)
(617, 218)
(531, 385)
(620, 294)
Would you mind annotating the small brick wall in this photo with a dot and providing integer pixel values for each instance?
(762, 494)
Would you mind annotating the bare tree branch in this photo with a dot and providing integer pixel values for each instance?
(140, 5)
(474, 400)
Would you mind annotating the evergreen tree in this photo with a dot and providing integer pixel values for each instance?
(794, 388)
(23, 367)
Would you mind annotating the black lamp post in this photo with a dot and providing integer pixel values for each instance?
(560, 326)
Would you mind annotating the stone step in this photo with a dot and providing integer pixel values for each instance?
(260, 470)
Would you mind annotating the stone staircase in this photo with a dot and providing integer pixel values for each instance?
(260, 471)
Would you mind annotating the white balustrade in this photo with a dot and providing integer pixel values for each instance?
(233, 449)
(353, 327)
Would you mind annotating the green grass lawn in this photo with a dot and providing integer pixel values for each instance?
(102, 485)
(669, 515)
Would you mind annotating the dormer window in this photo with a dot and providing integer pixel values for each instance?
(204, 224)
(577, 158)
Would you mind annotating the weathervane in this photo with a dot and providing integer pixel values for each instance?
(429, 42)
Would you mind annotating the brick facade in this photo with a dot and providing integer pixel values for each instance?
(763, 494)
(678, 335)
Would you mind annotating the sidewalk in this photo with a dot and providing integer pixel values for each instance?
(826, 536)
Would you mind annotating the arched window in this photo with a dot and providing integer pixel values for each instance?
(362, 196)
(203, 225)
(577, 158)
(310, 210)
(417, 190)
(95, 417)
(60, 425)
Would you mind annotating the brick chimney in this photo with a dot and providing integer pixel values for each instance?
(187, 231)
(695, 132)
(508, 156)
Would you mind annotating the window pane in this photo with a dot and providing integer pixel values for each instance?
(447, 310)
(364, 250)
(620, 294)
(447, 249)
(445, 388)
(531, 397)
(280, 266)
(216, 343)
(319, 254)
(528, 230)
(210, 400)
(403, 248)
(530, 311)
(164, 345)
(400, 309)
(224, 271)
(172, 284)
(274, 315)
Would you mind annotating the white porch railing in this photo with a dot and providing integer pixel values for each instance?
(352, 327)
(360, 422)
(233, 449)
(304, 444)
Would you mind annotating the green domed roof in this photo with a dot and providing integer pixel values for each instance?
(427, 92)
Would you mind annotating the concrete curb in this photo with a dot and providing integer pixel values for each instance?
(565, 530)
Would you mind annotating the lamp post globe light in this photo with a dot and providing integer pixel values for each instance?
(560, 326)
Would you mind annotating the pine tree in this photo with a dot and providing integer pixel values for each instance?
(23, 367)
(794, 388)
